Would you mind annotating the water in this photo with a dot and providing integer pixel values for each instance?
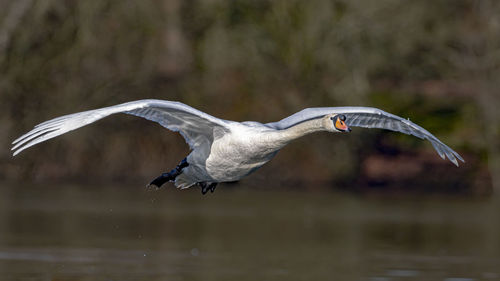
(237, 233)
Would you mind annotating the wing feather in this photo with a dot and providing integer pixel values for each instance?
(368, 117)
(195, 126)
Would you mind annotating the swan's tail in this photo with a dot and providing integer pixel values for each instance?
(183, 181)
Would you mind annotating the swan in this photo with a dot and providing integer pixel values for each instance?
(223, 150)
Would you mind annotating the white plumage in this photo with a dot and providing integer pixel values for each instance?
(225, 150)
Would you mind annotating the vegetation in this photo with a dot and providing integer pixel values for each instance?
(436, 62)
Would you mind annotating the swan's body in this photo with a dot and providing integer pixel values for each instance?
(225, 150)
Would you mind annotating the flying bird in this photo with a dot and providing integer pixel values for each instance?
(223, 150)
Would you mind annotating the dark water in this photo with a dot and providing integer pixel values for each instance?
(125, 233)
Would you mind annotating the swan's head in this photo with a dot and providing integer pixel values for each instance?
(336, 123)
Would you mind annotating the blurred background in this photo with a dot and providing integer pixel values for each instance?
(435, 62)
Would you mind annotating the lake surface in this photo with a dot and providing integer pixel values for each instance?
(237, 233)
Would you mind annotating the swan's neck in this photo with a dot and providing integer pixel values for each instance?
(301, 129)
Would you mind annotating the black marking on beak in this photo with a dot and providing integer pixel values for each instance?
(341, 118)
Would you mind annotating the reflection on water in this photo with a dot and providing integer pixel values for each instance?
(125, 233)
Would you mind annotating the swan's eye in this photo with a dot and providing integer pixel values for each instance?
(342, 117)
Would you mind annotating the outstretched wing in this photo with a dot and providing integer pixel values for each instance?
(368, 117)
(195, 126)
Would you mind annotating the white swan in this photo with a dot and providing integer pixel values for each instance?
(225, 150)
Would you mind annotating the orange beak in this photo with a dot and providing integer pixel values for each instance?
(340, 125)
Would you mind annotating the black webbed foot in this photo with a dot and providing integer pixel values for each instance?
(206, 187)
(163, 178)
(170, 176)
(212, 187)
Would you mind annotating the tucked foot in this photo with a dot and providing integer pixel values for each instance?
(212, 187)
(205, 187)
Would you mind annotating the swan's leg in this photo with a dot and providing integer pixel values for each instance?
(205, 187)
(170, 176)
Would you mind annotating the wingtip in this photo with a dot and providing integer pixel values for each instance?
(459, 157)
(446, 152)
(18, 139)
(455, 157)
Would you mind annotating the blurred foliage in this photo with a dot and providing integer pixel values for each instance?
(436, 62)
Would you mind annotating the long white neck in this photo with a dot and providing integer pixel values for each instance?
(287, 135)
